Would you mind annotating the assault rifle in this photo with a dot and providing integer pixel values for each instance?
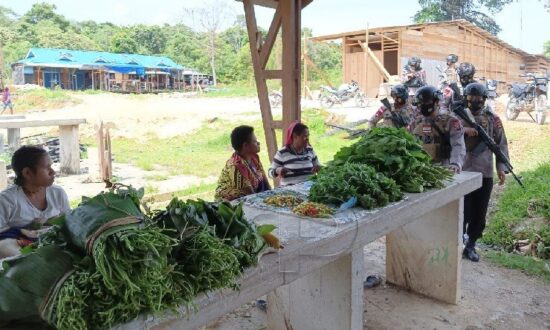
(396, 118)
(458, 108)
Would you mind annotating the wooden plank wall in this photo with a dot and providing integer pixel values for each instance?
(354, 69)
(491, 60)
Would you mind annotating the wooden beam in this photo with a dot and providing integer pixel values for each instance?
(261, 85)
(386, 37)
(267, 47)
(377, 62)
(310, 62)
(291, 14)
(273, 74)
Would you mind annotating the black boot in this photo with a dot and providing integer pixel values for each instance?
(470, 252)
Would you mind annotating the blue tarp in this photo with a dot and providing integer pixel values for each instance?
(134, 69)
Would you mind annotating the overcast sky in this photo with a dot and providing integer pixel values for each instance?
(525, 23)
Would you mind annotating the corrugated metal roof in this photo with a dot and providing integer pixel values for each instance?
(75, 58)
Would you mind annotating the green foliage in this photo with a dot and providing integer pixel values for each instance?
(523, 214)
(547, 48)
(42, 26)
(124, 42)
(472, 10)
(528, 265)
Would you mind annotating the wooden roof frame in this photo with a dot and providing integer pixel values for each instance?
(460, 22)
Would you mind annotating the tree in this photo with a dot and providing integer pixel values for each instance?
(123, 42)
(547, 49)
(45, 12)
(7, 16)
(151, 40)
(210, 18)
(471, 10)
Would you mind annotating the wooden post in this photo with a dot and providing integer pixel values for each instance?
(291, 14)
(376, 61)
(100, 150)
(69, 151)
(367, 71)
(259, 75)
(304, 92)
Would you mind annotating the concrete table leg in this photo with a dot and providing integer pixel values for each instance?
(14, 138)
(425, 255)
(328, 298)
(69, 149)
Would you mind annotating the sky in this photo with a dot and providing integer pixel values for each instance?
(525, 23)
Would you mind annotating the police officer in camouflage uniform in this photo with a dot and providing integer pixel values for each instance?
(442, 135)
(413, 76)
(479, 158)
(451, 77)
(401, 109)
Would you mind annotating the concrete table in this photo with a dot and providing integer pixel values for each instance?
(316, 282)
(68, 138)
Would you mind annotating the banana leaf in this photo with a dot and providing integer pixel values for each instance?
(26, 282)
(93, 214)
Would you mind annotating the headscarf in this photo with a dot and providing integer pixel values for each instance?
(289, 131)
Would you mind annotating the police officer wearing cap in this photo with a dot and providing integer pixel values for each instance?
(401, 107)
(442, 135)
(479, 158)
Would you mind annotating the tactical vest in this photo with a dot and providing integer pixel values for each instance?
(434, 135)
(404, 113)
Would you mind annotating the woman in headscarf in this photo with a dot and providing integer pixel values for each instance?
(243, 173)
(297, 161)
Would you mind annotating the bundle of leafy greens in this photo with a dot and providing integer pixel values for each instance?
(398, 155)
(335, 185)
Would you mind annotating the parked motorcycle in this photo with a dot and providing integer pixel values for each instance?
(275, 98)
(528, 97)
(492, 85)
(329, 96)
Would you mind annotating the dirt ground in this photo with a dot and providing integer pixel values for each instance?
(492, 298)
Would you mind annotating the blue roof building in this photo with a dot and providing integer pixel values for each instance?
(77, 69)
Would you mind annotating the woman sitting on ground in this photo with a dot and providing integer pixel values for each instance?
(243, 173)
(31, 201)
(297, 161)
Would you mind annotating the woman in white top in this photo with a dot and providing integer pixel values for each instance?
(32, 200)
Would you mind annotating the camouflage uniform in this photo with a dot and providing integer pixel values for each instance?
(451, 74)
(384, 114)
(413, 84)
(479, 158)
(442, 138)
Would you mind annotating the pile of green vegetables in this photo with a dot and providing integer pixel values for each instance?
(335, 185)
(106, 261)
(397, 154)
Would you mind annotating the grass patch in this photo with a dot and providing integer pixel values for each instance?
(157, 177)
(42, 98)
(204, 191)
(523, 213)
(204, 152)
(150, 189)
(528, 265)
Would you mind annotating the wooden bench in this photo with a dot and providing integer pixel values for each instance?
(68, 138)
(316, 282)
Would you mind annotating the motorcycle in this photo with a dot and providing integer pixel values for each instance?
(528, 97)
(329, 96)
(492, 85)
(275, 98)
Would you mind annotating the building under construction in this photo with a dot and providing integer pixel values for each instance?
(371, 56)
